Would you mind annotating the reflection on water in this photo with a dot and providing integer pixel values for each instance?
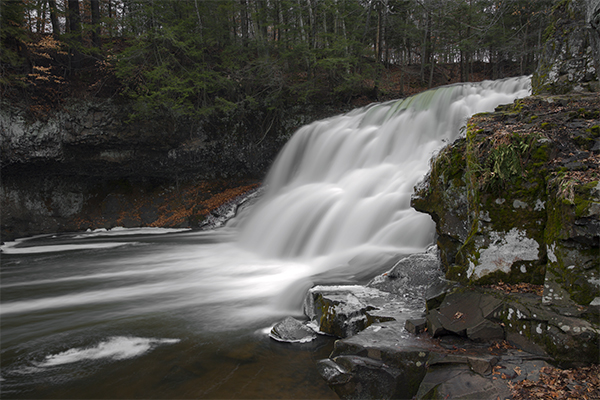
(179, 315)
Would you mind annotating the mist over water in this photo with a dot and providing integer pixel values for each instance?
(154, 313)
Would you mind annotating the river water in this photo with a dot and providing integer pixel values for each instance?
(154, 313)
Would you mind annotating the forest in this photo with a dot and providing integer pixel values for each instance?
(194, 58)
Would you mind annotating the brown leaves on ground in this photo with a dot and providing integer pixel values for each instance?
(500, 345)
(195, 202)
(518, 288)
(555, 383)
(183, 206)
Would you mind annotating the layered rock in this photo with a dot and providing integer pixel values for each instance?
(478, 342)
(89, 165)
(570, 59)
(569, 336)
(518, 199)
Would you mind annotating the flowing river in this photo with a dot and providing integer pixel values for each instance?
(154, 313)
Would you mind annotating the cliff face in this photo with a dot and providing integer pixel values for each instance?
(570, 59)
(88, 166)
(518, 199)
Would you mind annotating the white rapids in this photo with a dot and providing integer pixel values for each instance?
(343, 185)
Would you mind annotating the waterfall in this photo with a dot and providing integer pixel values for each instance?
(134, 314)
(342, 186)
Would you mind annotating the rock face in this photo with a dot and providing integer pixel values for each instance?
(89, 166)
(569, 335)
(518, 199)
(478, 342)
(571, 56)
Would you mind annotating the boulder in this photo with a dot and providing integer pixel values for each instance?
(510, 207)
(416, 326)
(464, 313)
(292, 331)
(484, 315)
(383, 354)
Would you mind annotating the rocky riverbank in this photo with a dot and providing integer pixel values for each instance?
(509, 295)
(464, 342)
(88, 165)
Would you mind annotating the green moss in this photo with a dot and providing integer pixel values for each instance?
(457, 273)
(594, 130)
(584, 142)
(547, 126)
(583, 198)
(541, 152)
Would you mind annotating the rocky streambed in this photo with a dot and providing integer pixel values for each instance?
(410, 333)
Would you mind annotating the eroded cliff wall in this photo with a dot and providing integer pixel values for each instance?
(89, 166)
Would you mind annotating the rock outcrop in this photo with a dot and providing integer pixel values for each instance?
(570, 59)
(478, 341)
(88, 165)
(518, 199)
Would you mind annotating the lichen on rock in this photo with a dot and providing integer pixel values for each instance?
(518, 200)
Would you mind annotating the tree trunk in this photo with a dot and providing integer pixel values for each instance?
(368, 20)
(95, 8)
(54, 18)
(74, 24)
(244, 21)
(378, 34)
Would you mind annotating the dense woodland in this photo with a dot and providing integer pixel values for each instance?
(197, 57)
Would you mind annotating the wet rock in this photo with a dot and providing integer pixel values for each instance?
(482, 366)
(344, 311)
(416, 326)
(459, 382)
(485, 331)
(418, 273)
(464, 313)
(377, 357)
(292, 331)
(381, 354)
(384, 360)
(355, 377)
(485, 316)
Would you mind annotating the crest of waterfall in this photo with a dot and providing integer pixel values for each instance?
(343, 184)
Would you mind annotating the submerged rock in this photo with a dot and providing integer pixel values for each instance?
(292, 331)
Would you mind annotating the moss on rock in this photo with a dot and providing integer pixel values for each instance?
(513, 202)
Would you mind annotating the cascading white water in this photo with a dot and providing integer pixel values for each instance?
(181, 315)
(343, 185)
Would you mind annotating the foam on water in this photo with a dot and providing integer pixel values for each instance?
(115, 348)
(10, 247)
